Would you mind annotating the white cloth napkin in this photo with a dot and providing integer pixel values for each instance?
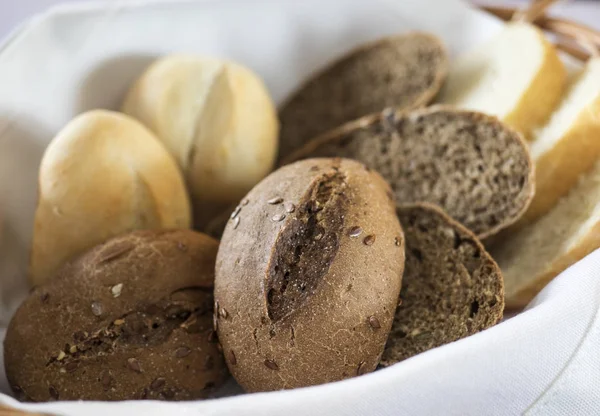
(545, 361)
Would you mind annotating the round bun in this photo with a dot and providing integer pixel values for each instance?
(218, 120)
(308, 276)
(130, 319)
(102, 175)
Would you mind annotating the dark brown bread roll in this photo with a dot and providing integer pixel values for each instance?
(472, 165)
(130, 319)
(308, 276)
(452, 288)
(404, 71)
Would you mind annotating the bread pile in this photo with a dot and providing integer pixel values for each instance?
(363, 249)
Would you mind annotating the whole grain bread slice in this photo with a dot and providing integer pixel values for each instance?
(451, 288)
(404, 71)
(472, 165)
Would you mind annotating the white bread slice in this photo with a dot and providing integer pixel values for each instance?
(540, 251)
(516, 76)
(569, 144)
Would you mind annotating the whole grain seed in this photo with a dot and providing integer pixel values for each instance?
(245, 202)
(134, 365)
(157, 384)
(278, 217)
(117, 289)
(369, 240)
(61, 355)
(72, 366)
(115, 251)
(271, 365)
(73, 349)
(97, 308)
(236, 212)
(232, 358)
(275, 201)
(374, 322)
(355, 231)
(119, 322)
(236, 223)
(361, 369)
(223, 313)
(182, 352)
(397, 241)
(289, 207)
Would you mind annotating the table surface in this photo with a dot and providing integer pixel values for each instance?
(12, 12)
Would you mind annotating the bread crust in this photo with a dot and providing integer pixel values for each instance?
(559, 169)
(336, 326)
(216, 118)
(129, 319)
(543, 94)
(102, 175)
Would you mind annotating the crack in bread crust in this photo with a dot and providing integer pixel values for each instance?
(306, 246)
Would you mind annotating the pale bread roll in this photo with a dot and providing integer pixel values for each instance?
(539, 252)
(569, 144)
(218, 120)
(516, 76)
(102, 175)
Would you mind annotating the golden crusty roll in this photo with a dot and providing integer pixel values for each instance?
(102, 175)
(218, 120)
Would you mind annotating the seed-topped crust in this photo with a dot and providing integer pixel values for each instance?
(137, 326)
(308, 302)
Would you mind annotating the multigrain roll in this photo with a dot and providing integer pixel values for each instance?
(403, 71)
(451, 288)
(470, 164)
(130, 319)
(102, 175)
(308, 275)
(216, 118)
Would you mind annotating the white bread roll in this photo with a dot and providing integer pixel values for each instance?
(216, 118)
(537, 253)
(569, 144)
(516, 76)
(102, 175)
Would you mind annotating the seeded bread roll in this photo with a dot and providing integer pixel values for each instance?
(130, 319)
(472, 165)
(452, 288)
(308, 275)
(102, 175)
(404, 71)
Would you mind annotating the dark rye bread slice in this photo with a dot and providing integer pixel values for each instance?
(472, 165)
(451, 288)
(404, 71)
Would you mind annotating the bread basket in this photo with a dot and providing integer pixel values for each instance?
(539, 362)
